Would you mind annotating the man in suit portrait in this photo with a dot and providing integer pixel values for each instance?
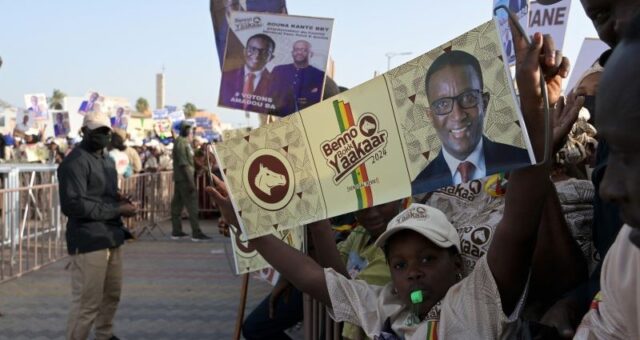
(299, 84)
(457, 109)
(247, 87)
(90, 105)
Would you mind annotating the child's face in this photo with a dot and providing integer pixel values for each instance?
(416, 263)
(375, 219)
(619, 123)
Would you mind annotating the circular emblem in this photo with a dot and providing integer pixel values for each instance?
(367, 125)
(244, 249)
(481, 235)
(268, 179)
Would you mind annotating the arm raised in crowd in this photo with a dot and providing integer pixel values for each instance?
(511, 252)
(302, 271)
(327, 253)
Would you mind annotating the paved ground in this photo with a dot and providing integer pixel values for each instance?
(172, 290)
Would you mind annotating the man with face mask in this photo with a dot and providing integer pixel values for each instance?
(185, 193)
(89, 197)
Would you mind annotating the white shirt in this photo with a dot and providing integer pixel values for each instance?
(615, 312)
(471, 309)
(256, 80)
(476, 157)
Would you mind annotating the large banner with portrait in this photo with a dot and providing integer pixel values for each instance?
(281, 67)
(445, 117)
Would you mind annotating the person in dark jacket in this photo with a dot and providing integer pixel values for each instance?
(89, 197)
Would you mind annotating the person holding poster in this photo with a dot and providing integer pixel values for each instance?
(428, 298)
(247, 87)
(299, 84)
(457, 109)
(611, 19)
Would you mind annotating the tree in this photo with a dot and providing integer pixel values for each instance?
(142, 105)
(189, 110)
(56, 99)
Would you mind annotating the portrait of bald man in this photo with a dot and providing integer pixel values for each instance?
(299, 84)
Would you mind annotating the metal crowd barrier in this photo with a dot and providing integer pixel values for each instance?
(31, 231)
(153, 191)
(317, 323)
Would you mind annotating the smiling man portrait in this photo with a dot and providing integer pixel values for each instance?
(457, 109)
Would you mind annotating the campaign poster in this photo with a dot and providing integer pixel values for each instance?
(120, 118)
(397, 135)
(281, 67)
(119, 111)
(36, 103)
(204, 129)
(61, 125)
(589, 54)
(160, 114)
(221, 10)
(247, 259)
(177, 116)
(93, 101)
(521, 10)
(25, 120)
(71, 105)
(550, 17)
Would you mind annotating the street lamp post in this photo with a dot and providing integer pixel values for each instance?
(393, 54)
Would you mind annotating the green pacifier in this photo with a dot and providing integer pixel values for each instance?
(416, 296)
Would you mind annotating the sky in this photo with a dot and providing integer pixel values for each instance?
(117, 46)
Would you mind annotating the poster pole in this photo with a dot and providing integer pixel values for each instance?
(243, 302)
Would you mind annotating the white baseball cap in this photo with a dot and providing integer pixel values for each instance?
(94, 120)
(425, 220)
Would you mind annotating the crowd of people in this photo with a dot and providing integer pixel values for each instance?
(149, 155)
(541, 252)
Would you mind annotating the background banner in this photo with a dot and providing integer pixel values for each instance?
(550, 17)
(380, 141)
(221, 10)
(589, 54)
(521, 9)
(281, 68)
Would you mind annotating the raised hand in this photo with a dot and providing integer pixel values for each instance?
(220, 195)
